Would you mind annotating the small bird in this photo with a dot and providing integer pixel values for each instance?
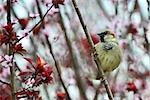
(108, 51)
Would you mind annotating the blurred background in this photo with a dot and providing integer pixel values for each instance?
(128, 19)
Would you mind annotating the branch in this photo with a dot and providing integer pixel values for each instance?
(148, 8)
(41, 19)
(5, 83)
(96, 59)
(46, 91)
(40, 12)
(97, 92)
(35, 24)
(8, 11)
(57, 67)
(12, 74)
(74, 61)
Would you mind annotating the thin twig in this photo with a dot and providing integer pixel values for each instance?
(148, 8)
(46, 91)
(35, 24)
(57, 67)
(41, 19)
(96, 59)
(40, 12)
(17, 67)
(97, 92)
(74, 61)
(5, 83)
(116, 7)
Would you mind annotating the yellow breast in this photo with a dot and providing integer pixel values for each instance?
(109, 59)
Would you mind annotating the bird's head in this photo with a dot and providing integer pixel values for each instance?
(107, 36)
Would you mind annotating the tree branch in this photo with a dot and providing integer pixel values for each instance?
(12, 74)
(97, 61)
(57, 67)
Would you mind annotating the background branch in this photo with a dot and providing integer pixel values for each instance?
(9, 11)
(57, 68)
(74, 61)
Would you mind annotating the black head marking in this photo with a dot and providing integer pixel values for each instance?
(102, 35)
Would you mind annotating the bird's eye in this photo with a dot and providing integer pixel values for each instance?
(113, 34)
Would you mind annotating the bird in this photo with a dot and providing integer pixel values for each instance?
(108, 51)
